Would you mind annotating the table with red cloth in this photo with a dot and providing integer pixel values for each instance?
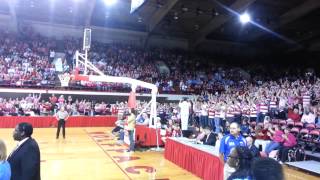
(48, 121)
(147, 137)
(198, 159)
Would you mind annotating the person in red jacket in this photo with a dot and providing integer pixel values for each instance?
(168, 134)
(294, 115)
(289, 141)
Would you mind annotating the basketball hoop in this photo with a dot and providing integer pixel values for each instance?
(64, 79)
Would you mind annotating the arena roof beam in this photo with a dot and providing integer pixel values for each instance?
(314, 46)
(218, 21)
(91, 5)
(292, 15)
(308, 41)
(160, 14)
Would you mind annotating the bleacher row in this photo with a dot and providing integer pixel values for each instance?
(308, 135)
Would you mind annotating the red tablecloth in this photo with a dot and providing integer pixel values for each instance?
(146, 137)
(47, 121)
(200, 163)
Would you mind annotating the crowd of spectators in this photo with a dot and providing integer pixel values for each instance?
(34, 105)
(27, 59)
(273, 112)
(274, 117)
(24, 60)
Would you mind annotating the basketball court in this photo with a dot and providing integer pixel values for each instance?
(92, 153)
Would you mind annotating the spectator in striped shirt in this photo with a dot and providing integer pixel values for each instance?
(263, 111)
(253, 111)
(237, 112)
(273, 106)
(204, 115)
(211, 115)
(217, 118)
(306, 98)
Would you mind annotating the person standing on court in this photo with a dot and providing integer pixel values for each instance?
(5, 170)
(131, 124)
(184, 113)
(25, 158)
(62, 116)
(227, 143)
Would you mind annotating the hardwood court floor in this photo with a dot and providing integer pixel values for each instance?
(91, 154)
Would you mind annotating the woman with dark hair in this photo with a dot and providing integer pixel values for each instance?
(240, 159)
(267, 168)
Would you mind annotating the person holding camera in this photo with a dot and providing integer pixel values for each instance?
(275, 135)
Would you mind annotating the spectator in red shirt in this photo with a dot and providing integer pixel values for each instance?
(261, 135)
(168, 134)
(176, 131)
(289, 141)
(293, 114)
(276, 135)
(53, 99)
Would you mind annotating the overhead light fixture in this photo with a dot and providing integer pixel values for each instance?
(110, 2)
(214, 12)
(184, 9)
(244, 18)
(175, 16)
(199, 11)
(107, 15)
(196, 27)
(32, 4)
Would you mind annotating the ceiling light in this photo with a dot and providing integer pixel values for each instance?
(244, 18)
(175, 16)
(110, 2)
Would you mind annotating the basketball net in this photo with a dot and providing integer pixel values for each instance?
(64, 79)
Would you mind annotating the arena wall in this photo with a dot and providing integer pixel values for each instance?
(110, 97)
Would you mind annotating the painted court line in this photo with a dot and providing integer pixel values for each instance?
(107, 154)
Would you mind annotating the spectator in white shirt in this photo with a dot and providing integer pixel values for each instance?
(184, 112)
(308, 116)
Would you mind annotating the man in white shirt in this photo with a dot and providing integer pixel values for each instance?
(308, 117)
(51, 56)
(184, 113)
(61, 117)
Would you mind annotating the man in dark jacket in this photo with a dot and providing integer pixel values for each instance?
(25, 158)
(254, 150)
(209, 138)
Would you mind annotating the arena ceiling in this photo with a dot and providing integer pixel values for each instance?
(288, 25)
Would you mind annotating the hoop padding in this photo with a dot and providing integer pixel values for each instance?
(64, 79)
(81, 78)
(78, 77)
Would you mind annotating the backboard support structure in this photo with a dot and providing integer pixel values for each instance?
(83, 62)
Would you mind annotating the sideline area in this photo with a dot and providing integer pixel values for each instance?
(91, 153)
